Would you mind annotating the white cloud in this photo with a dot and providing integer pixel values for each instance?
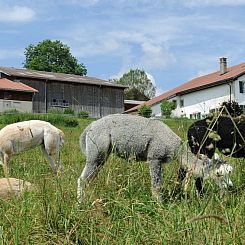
(84, 3)
(194, 3)
(16, 14)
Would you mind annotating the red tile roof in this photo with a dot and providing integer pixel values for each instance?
(210, 80)
(6, 84)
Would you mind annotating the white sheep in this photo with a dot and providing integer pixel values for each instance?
(22, 136)
(146, 139)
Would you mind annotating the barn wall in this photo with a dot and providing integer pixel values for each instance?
(97, 100)
(38, 98)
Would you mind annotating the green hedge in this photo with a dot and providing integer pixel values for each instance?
(58, 119)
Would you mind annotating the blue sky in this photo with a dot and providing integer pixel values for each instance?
(172, 40)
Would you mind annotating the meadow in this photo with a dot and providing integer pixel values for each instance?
(118, 208)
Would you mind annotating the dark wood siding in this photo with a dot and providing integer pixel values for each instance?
(38, 98)
(97, 100)
(15, 95)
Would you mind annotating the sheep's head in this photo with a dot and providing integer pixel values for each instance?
(220, 172)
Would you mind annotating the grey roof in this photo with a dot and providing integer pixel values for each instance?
(25, 73)
(136, 102)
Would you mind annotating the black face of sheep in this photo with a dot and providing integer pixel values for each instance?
(225, 136)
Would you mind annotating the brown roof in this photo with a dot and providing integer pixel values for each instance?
(210, 80)
(6, 84)
(17, 72)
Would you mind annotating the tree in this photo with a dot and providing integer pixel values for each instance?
(53, 56)
(139, 85)
(167, 107)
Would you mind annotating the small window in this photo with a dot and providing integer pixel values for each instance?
(181, 103)
(241, 87)
(59, 103)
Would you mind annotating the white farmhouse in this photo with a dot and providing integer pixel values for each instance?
(204, 94)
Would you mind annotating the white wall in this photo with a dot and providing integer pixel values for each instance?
(23, 106)
(239, 97)
(204, 100)
(201, 101)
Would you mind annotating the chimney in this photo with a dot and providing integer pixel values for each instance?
(223, 65)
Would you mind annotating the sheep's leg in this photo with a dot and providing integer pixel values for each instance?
(156, 178)
(89, 172)
(96, 155)
(6, 159)
(199, 186)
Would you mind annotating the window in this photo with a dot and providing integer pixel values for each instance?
(181, 103)
(60, 103)
(241, 87)
(196, 115)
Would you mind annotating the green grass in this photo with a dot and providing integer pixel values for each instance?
(118, 208)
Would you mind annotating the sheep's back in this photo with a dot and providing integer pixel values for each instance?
(130, 134)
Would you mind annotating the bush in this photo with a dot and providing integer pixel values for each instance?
(11, 111)
(69, 111)
(55, 111)
(83, 114)
(145, 111)
(71, 122)
(56, 119)
(167, 107)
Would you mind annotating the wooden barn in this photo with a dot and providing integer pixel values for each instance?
(95, 96)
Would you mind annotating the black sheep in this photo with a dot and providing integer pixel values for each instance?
(225, 136)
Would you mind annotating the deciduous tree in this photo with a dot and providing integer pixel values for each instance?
(139, 85)
(53, 56)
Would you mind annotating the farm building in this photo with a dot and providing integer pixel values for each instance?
(202, 95)
(128, 104)
(15, 95)
(81, 93)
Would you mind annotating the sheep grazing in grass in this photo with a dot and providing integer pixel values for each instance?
(22, 136)
(228, 135)
(146, 139)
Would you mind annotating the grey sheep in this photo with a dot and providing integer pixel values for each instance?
(148, 140)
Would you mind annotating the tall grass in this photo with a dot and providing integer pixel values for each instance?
(118, 208)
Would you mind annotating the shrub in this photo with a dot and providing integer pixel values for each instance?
(167, 107)
(83, 114)
(55, 111)
(145, 111)
(11, 111)
(69, 111)
(71, 122)
(57, 119)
